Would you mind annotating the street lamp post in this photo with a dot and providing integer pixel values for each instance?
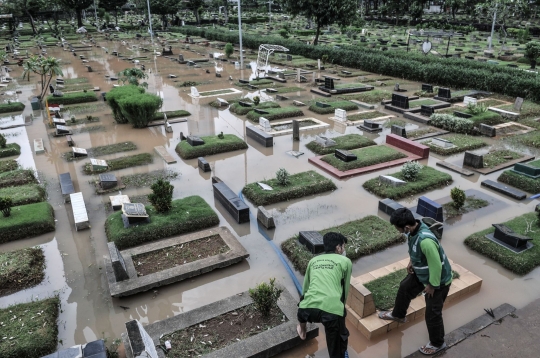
(95, 13)
(150, 22)
(240, 35)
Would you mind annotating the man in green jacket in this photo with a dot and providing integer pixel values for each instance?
(326, 285)
(429, 272)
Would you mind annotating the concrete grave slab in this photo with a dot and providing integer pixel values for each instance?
(178, 273)
(503, 189)
(266, 344)
(38, 146)
(80, 215)
(265, 218)
(118, 200)
(232, 203)
(164, 154)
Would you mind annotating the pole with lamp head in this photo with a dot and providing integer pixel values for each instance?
(150, 22)
(240, 35)
(95, 13)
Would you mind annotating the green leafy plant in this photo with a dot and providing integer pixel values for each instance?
(458, 197)
(132, 77)
(410, 170)
(161, 198)
(284, 33)
(282, 176)
(265, 296)
(89, 118)
(229, 49)
(5, 206)
(256, 100)
(476, 109)
(324, 59)
(532, 51)
(3, 141)
(221, 136)
(73, 120)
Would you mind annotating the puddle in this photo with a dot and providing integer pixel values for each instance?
(78, 257)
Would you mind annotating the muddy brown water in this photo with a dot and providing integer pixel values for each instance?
(75, 260)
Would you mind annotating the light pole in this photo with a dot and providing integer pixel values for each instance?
(150, 22)
(95, 13)
(240, 35)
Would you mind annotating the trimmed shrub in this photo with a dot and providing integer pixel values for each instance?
(161, 197)
(10, 150)
(116, 94)
(11, 107)
(452, 123)
(186, 215)
(5, 206)
(458, 197)
(27, 221)
(74, 97)
(410, 170)
(229, 49)
(265, 296)
(212, 145)
(282, 177)
(8, 165)
(140, 109)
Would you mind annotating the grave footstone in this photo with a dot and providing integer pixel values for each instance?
(444, 93)
(296, 129)
(345, 155)
(400, 101)
(265, 124)
(473, 160)
(107, 181)
(118, 263)
(203, 164)
(194, 140)
(265, 218)
(390, 180)
(398, 130)
(313, 241)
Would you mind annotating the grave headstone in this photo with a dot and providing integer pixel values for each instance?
(118, 200)
(426, 111)
(134, 213)
(398, 130)
(444, 93)
(469, 100)
(62, 130)
(390, 180)
(203, 164)
(340, 115)
(194, 140)
(488, 131)
(265, 124)
(400, 101)
(296, 129)
(507, 236)
(289, 57)
(518, 103)
(79, 152)
(345, 155)
(194, 92)
(473, 160)
(107, 181)
(329, 83)
(118, 263)
(313, 241)
(429, 208)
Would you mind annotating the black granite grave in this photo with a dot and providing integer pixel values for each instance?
(488, 130)
(107, 181)
(232, 203)
(244, 104)
(260, 137)
(463, 115)
(62, 130)
(473, 160)
(312, 240)
(260, 111)
(398, 130)
(296, 129)
(444, 93)
(203, 164)
(426, 111)
(389, 206)
(527, 170)
(400, 101)
(503, 189)
(289, 57)
(329, 83)
(345, 155)
(429, 208)
(506, 237)
(194, 140)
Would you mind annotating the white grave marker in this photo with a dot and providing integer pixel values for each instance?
(265, 124)
(194, 92)
(469, 100)
(341, 115)
(518, 104)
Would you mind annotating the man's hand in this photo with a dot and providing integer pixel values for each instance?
(429, 290)
(409, 268)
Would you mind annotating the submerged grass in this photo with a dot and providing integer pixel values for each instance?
(521, 263)
(105, 150)
(498, 157)
(347, 142)
(121, 163)
(301, 184)
(364, 236)
(471, 204)
(24, 194)
(140, 180)
(38, 338)
(212, 145)
(366, 157)
(21, 269)
(429, 178)
(188, 214)
(27, 221)
(375, 96)
(365, 115)
(462, 143)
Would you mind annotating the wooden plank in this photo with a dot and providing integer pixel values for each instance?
(162, 152)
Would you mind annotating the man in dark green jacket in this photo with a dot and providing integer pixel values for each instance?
(429, 272)
(326, 285)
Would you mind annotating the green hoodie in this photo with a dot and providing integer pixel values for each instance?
(326, 285)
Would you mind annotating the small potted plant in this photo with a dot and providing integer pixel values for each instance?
(532, 51)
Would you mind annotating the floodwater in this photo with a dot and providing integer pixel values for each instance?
(75, 260)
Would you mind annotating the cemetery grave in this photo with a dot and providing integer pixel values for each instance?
(21, 269)
(457, 143)
(523, 176)
(278, 128)
(347, 142)
(211, 145)
(327, 107)
(127, 161)
(274, 113)
(366, 157)
(494, 160)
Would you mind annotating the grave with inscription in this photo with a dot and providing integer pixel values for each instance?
(194, 140)
(118, 200)
(400, 101)
(79, 152)
(398, 130)
(507, 238)
(107, 181)
(345, 155)
(134, 214)
(98, 164)
(473, 160)
(370, 126)
(312, 240)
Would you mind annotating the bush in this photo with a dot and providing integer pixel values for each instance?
(256, 100)
(452, 123)
(27, 221)
(476, 109)
(11, 107)
(282, 177)
(5, 206)
(140, 109)
(284, 33)
(229, 49)
(532, 50)
(3, 141)
(116, 94)
(265, 296)
(161, 197)
(74, 97)
(458, 197)
(10, 150)
(410, 170)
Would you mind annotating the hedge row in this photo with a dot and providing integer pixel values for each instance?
(11, 107)
(448, 72)
(9, 150)
(73, 98)
(27, 221)
(17, 177)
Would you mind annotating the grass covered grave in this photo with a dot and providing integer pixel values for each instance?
(462, 143)
(366, 156)
(17, 177)
(27, 221)
(212, 145)
(24, 194)
(345, 105)
(10, 150)
(347, 141)
(21, 269)
(122, 163)
(275, 113)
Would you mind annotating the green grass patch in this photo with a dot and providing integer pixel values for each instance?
(345, 105)
(491, 102)
(498, 157)
(462, 143)
(105, 150)
(520, 264)
(365, 115)
(212, 145)
(347, 142)
(11, 149)
(289, 89)
(301, 184)
(27, 221)
(73, 98)
(86, 108)
(187, 215)
(140, 180)
(171, 114)
(421, 132)
(488, 118)
(366, 156)
(530, 185)
(78, 121)
(214, 93)
(394, 122)
(21, 269)
(350, 85)
(422, 102)
(531, 139)
(275, 113)
(17, 177)
(528, 109)
(428, 179)
(24, 194)
(37, 317)
(11, 107)
(121, 163)
(364, 237)
(471, 204)
(75, 81)
(8, 165)
(238, 109)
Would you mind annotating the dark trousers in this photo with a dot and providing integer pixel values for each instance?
(409, 289)
(337, 334)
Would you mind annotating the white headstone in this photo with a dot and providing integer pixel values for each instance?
(341, 115)
(471, 100)
(426, 47)
(194, 92)
(518, 104)
(265, 186)
(265, 124)
(298, 75)
(237, 65)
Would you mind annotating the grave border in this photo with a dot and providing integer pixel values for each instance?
(175, 274)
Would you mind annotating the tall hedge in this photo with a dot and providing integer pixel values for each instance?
(116, 94)
(448, 72)
(140, 109)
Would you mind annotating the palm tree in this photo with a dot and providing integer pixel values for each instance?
(45, 67)
(132, 76)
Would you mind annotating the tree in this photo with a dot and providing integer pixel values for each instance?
(24, 8)
(78, 6)
(503, 10)
(161, 198)
(323, 12)
(112, 5)
(229, 49)
(132, 77)
(45, 67)
(532, 51)
(195, 6)
(164, 8)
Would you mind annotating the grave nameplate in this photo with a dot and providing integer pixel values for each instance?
(506, 235)
(518, 104)
(488, 130)
(289, 57)
(473, 160)
(118, 263)
(322, 104)
(244, 81)
(66, 184)
(400, 101)
(98, 164)
(194, 140)
(329, 83)
(79, 152)
(398, 130)
(203, 164)
(390, 180)
(444, 93)
(313, 241)
(345, 155)
(244, 104)
(260, 111)
(134, 213)
(118, 200)
(107, 181)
